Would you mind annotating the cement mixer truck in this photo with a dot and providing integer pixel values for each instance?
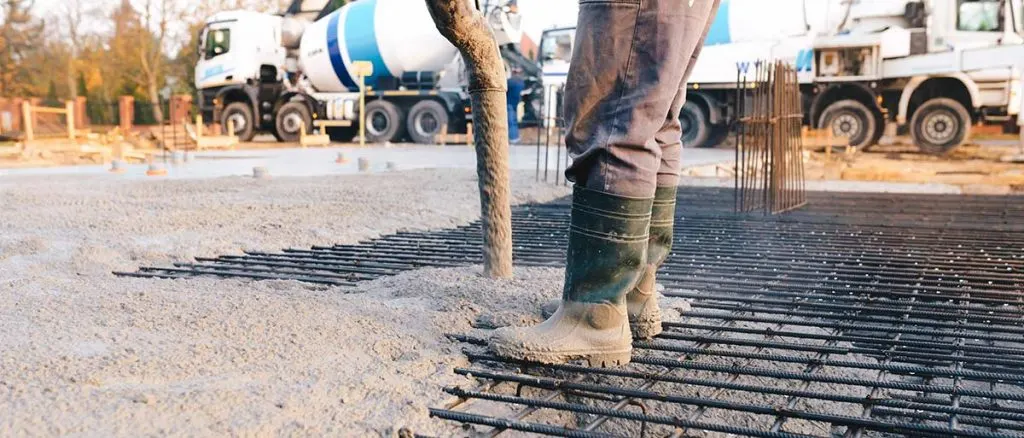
(281, 73)
(929, 68)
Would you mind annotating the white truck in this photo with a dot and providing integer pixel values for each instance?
(277, 73)
(932, 68)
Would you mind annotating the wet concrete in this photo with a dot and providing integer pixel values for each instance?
(322, 161)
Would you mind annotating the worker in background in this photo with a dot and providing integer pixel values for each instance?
(516, 85)
(625, 89)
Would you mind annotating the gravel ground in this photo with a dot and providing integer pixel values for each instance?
(85, 353)
(88, 354)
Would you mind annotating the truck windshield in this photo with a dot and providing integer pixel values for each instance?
(556, 45)
(980, 16)
(218, 42)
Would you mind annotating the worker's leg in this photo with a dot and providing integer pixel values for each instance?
(629, 60)
(642, 304)
(513, 123)
(642, 301)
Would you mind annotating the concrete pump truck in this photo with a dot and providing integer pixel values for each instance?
(929, 68)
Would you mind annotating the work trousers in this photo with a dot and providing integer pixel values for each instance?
(625, 88)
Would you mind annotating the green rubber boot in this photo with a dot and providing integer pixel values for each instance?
(606, 257)
(642, 301)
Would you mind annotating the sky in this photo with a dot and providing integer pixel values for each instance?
(538, 14)
(545, 14)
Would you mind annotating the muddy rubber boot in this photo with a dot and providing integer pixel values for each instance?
(606, 256)
(642, 301)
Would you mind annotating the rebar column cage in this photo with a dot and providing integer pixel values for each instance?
(769, 174)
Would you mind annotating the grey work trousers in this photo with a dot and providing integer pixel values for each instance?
(625, 89)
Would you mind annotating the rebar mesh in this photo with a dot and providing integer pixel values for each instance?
(858, 315)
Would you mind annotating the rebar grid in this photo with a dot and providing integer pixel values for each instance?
(854, 316)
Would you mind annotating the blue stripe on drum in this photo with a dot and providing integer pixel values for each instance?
(334, 51)
(361, 38)
(720, 32)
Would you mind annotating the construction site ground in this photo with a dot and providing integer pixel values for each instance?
(83, 352)
(977, 167)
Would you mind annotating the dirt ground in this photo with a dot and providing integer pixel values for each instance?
(85, 353)
(974, 168)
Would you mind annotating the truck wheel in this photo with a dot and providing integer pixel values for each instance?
(696, 130)
(240, 114)
(425, 121)
(940, 125)
(852, 119)
(290, 120)
(383, 122)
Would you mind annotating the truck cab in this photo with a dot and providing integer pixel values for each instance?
(237, 51)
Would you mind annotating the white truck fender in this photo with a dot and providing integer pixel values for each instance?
(916, 81)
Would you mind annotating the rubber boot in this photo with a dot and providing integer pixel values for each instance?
(642, 301)
(607, 254)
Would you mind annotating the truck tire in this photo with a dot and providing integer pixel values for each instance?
(850, 118)
(695, 126)
(290, 119)
(384, 122)
(240, 113)
(425, 121)
(940, 125)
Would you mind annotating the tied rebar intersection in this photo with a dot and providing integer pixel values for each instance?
(769, 147)
(858, 315)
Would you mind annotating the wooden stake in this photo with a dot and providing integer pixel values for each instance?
(69, 108)
(26, 120)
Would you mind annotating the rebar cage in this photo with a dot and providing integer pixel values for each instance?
(552, 154)
(769, 147)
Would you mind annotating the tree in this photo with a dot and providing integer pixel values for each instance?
(72, 13)
(155, 30)
(467, 29)
(20, 35)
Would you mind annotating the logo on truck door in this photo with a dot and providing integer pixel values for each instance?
(804, 62)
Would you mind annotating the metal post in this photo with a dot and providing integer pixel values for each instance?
(547, 137)
(362, 111)
(739, 124)
(540, 126)
(558, 148)
(362, 69)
